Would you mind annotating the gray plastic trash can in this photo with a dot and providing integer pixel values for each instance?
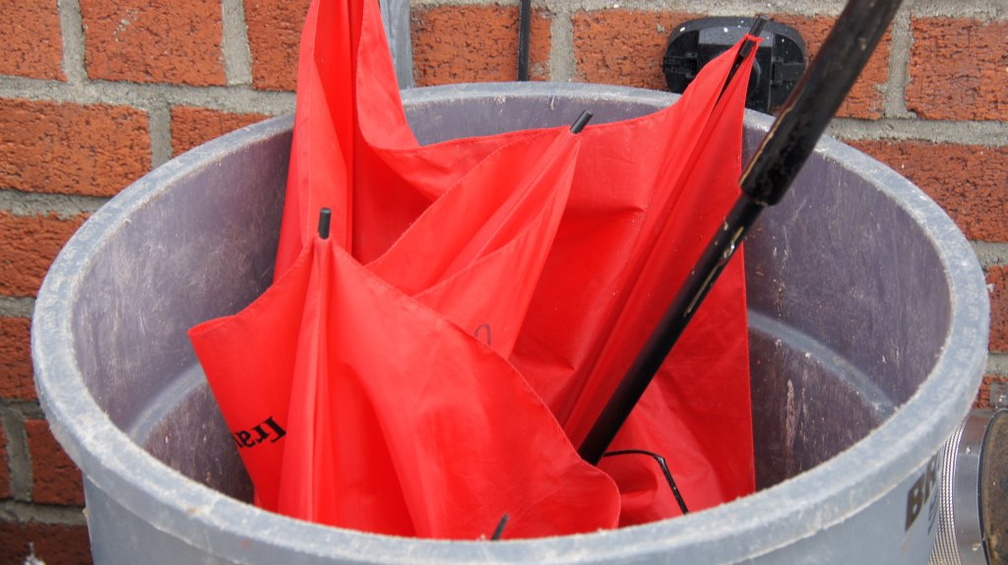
(868, 325)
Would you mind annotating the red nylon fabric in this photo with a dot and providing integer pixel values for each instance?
(435, 362)
(418, 437)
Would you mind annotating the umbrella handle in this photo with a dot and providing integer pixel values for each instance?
(791, 139)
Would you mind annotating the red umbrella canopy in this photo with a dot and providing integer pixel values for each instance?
(461, 256)
(389, 430)
(425, 370)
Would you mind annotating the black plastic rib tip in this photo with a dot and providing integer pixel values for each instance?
(754, 31)
(324, 219)
(499, 530)
(581, 122)
(747, 46)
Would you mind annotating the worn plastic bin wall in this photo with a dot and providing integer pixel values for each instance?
(868, 326)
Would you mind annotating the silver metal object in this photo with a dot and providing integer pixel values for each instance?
(396, 15)
(972, 494)
(960, 537)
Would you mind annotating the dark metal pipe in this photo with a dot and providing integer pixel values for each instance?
(524, 38)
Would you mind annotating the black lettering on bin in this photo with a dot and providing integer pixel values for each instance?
(920, 492)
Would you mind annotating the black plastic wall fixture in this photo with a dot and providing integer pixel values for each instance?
(780, 59)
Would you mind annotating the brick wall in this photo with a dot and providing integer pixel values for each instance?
(93, 93)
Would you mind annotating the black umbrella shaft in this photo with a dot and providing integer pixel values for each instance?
(777, 161)
(817, 96)
(672, 324)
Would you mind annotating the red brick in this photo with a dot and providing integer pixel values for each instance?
(5, 491)
(55, 478)
(453, 44)
(68, 148)
(28, 245)
(958, 69)
(15, 360)
(274, 34)
(623, 47)
(970, 182)
(30, 35)
(194, 126)
(983, 395)
(866, 98)
(997, 281)
(158, 41)
(54, 544)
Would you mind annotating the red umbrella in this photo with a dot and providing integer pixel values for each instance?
(367, 450)
(360, 386)
(689, 412)
(398, 420)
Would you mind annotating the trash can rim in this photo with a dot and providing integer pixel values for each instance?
(104, 451)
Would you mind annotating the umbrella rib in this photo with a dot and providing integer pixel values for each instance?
(665, 471)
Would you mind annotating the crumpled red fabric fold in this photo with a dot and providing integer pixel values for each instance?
(431, 366)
